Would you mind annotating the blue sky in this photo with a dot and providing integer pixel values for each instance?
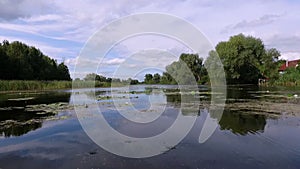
(61, 28)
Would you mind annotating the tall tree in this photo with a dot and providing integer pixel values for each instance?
(167, 79)
(22, 62)
(148, 79)
(214, 66)
(63, 72)
(194, 63)
(188, 64)
(156, 78)
(4, 64)
(269, 64)
(244, 58)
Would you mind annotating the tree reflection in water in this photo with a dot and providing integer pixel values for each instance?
(237, 122)
(242, 123)
(15, 120)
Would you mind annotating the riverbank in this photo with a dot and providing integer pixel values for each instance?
(27, 85)
(19, 85)
(35, 85)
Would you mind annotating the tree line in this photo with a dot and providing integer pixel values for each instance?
(103, 79)
(245, 60)
(19, 61)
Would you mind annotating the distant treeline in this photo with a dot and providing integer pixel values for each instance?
(19, 61)
(102, 79)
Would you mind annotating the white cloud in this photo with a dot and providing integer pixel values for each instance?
(114, 61)
(42, 18)
(287, 43)
(38, 30)
(261, 21)
(290, 56)
(144, 60)
(134, 44)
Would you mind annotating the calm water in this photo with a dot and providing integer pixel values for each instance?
(34, 133)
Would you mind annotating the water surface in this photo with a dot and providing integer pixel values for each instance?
(260, 128)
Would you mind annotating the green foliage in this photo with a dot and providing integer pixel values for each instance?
(148, 79)
(167, 79)
(245, 59)
(156, 78)
(189, 68)
(270, 64)
(95, 80)
(134, 82)
(291, 77)
(63, 72)
(13, 85)
(194, 63)
(91, 77)
(213, 64)
(21, 62)
(179, 71)
(89, 84)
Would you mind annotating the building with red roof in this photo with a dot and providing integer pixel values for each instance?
(289, 64)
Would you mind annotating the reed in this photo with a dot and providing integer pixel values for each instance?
(14, 85)
(17, 85)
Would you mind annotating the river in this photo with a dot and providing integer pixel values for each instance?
(259, 128)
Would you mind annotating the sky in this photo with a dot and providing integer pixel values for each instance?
(60, 29)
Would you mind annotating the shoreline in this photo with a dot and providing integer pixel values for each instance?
(7, 86)
(13, 86)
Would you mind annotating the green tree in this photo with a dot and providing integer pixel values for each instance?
(4, 64)
(148, 79)
(194, 63)
(63, 72)
(244, 59)
(156, 78)
(291, 76)
(167, 79)
(101, 78)
(188, 64)
(179, 71)
(109, 80)
(91, 77)
(213, 65)
(22, 62)
(269, 64)
(134, 81)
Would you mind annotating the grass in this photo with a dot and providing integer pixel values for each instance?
(14, 85)
(18, 85)
(284, 80)
(284, 83)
